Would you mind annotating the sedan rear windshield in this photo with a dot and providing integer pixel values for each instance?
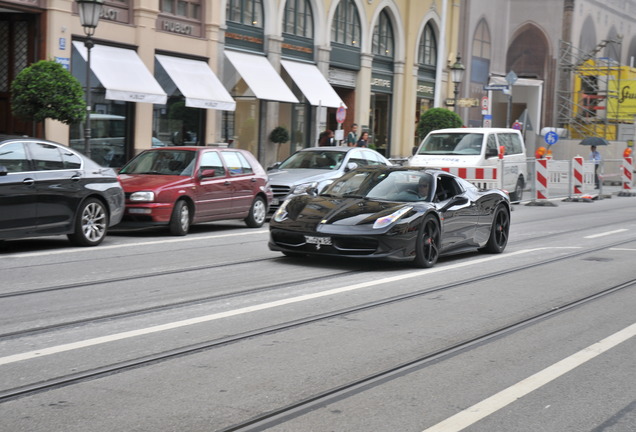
(452, 144)
(162, 162)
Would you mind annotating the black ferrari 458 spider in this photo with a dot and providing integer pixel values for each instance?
(395, 213)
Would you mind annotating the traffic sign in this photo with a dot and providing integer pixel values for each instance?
(341, 114)
(551, 138)
(516, 125)
(484, 105)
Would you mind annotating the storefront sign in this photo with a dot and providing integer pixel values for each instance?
(37, 3)
(381, 83)
(116, 14)
(176, 27)
(623, 106)
(425, 89)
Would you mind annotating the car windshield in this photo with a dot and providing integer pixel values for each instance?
(327, 160)
(452, 144)
(163, 162)
(403, 186)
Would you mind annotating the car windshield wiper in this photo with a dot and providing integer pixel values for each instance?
(354, 196)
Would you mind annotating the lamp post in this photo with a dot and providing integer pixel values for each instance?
(89, 11)
(457, 75)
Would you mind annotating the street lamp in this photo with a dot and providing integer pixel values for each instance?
(89, 11)
(457, 75)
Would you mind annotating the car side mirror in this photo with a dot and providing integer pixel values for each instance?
(275, 166)
(351, 166)
(454, 201)
(207, 172)
(414, 150)
(3, 170)
(491, 152)
(313, 190)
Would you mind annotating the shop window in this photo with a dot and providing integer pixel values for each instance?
(345, 28)
(175, 124)
(246, 12)
(298, 18)
(182, 8)
(383, 41)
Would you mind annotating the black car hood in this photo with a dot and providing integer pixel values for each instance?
(311, 211)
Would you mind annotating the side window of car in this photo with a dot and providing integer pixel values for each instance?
(506, 141)
(372, 158)
(446, 188)
(236, 163)
(46, 157)
(13, 157)
(516, 146)
(70, 160)
(357, 157)
(212, 160)
(491, 144)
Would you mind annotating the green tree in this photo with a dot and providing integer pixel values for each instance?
(279, 135)
(47, 90)
(437, 118)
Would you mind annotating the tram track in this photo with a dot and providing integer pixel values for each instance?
(9, 394)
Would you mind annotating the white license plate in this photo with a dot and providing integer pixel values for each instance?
(318, 240)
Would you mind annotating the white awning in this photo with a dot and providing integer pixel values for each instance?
(197, 82)
(313, 84)
(261, 77)
(123, 74)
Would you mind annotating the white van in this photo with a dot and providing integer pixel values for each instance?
(473, 153)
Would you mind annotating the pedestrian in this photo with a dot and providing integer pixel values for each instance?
(595, 157)
(352, 137)
(326, 138)
(364, 140)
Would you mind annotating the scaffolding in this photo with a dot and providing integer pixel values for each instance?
(588, 91)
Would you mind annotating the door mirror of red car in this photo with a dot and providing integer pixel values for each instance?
(3, 170)
(207, 172)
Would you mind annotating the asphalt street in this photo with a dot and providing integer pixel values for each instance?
(214, 332)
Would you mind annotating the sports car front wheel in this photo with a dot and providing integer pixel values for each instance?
(499, 232)
(428, 243)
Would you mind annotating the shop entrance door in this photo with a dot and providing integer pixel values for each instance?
(17, 51)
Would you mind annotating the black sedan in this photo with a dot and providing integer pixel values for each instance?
(395, 213)
(49, 189)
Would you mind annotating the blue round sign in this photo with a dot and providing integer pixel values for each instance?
(551, 138)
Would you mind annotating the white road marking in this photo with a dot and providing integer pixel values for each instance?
(606, 233)
(471, 415)
(117, 246)
(249, 309)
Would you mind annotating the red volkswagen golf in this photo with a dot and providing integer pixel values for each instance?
(181, 186)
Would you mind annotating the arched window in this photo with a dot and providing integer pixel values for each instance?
(383, 42)
(346, 24)
(480, 62)
(298, 19)
(246, 12)
(427, 52)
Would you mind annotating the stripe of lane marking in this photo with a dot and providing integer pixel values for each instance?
(118, 246)
(245, 310)
(606, 233)
(505, 397)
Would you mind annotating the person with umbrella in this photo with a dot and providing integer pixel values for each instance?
(595, 156)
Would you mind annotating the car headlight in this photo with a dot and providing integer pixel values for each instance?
(281, 214)
(302, 188)
(142, 196)
(388, 220)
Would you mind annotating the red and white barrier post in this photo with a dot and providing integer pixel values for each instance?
(626, 173)
(577, 175)
(541, 179)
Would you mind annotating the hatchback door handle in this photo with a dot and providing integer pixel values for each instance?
(28, 181)
(76, 177)
(227, 183)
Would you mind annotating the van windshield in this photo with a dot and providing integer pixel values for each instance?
(452, 144)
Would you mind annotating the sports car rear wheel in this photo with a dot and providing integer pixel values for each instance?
(428, 243)
(499, 232)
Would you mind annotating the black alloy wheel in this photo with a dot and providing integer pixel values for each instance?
(91, 223)
(428, 243)
(499, 232)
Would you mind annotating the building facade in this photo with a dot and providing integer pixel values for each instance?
(545, 43)
(178, 72)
